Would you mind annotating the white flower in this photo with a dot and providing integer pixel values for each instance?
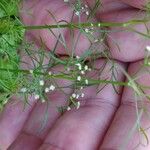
(86, 81)
(68, 69)
(77, 13)
(87, 13)
(101, 40)
(82, 72)
(78, 105)
(23, 90)
(74, 95)
(148, 48)
(92, 24)
(36, 96)
(52, 87)
(66, 1)
(86, 6)
(86, 67)
(5, 102)
(99, 24)
(77, 57)
(77, 96)
(79, 66)
(82, 95)
(89, 69)
(86, 30)
(31, 71)
(79, 78)
(50, 73)
(47, 90)
(68, 108)
(43, 101)
(96, 40)
(81, 87)
(41, 82)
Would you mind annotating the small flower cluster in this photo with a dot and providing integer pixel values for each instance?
(83, 9)
(37, 87)
(82, 70)
(147, 57)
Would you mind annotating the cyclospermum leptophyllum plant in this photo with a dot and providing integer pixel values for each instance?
(15, 80)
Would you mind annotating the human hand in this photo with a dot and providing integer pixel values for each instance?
(105, 120)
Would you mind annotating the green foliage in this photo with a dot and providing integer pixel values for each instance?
(11, 35)
(9, 8)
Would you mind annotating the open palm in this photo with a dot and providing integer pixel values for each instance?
(105, 121)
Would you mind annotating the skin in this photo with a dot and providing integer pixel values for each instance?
(104, 120)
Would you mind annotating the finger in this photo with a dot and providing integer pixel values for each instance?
(12, 120)
(137, 3)
(16, 112)
(68, 40)
(122, 43)
(26, 11)
(44, 115)
(84, 128)
(44, 17)
(106, 5)
(132, 116)
(126, 45)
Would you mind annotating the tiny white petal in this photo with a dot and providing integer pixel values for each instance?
(82, 72)
(77, 57)
(79, 78)
(87, 13)
(89, 69)
(31, 71)
(41, 82)
(68, 69)
(86, 81)
(23, 90)
(81, 87)
(5, 102)
(47, 90)
(99, 24)
(68, 108)
(148, 48)
(52, 87)
(86, 67)
(77, 96)
(78, 105)
(86, 30)
(86, 6)
(77, 13)
(74, 95)
(96, 40)
(92, 24)
(82, 95)
(66, 1)
(43, 101)
(79, 66)
(36, 96)
(50, 73)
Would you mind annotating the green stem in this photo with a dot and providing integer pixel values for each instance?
(88, 24)
(68, 77)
